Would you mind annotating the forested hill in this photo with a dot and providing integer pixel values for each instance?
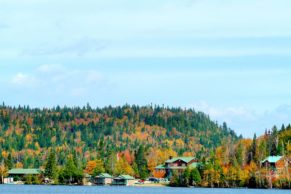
(27, 134)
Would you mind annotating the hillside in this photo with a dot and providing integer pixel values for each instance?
(27, 134)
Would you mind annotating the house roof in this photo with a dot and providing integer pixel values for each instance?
(161, 166)
(104, 175)
(24, 171)
(127, 177)
(185, 159)
(272, 159)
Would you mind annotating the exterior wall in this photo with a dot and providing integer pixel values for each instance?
(178, 163)
(103, 181)
(177, 166)
(108, 181)
(119, 182)
(8, 180)
(123, 182)
(99, 181)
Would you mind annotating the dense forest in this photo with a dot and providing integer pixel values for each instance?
(240, 164)
(68, 142)
(27, 135)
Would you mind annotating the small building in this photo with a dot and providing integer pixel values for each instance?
(274, 162)
(103, 179)
(18, 174)
(123, 180)
(178, 164)
(8, 180)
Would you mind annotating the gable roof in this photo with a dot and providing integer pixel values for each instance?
(272, 159)
(127, 177)
(161, 166)
(24, 171)
(104, 175)
(185, 159)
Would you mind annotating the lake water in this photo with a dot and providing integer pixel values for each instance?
(28, 189)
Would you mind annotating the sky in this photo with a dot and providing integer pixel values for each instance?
(229, 59)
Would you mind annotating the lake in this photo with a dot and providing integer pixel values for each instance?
(31, 189)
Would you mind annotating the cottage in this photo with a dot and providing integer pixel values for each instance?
(18, 174)
(103, 179)
(123, 180)
(274, 162)
(178, 164)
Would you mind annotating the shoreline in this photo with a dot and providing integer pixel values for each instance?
(151, 185)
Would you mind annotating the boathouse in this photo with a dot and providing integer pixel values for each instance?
(123, 180)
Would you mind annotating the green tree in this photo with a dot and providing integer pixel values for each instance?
(51, 170)
(253, 150)
(195, 178)
(71, 174)
(274, 142)
(186, 177)
(99, 168)
(141, 162)
(9, 162)
(111, 163)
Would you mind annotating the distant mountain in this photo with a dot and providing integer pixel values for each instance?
(27, 134)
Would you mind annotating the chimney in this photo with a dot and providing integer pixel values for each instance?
(171, 157)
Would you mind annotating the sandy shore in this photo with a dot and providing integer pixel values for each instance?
(150, 185)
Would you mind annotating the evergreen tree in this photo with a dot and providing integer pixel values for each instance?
(51, 166)
(9, 162)
(186, 177)
(253, 150)
(71, 174)
(274, 142)
(111, 163)
(239, 154)
(141, 162)
(195, 177)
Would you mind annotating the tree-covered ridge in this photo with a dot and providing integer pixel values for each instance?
(241, 164)
(27, 133)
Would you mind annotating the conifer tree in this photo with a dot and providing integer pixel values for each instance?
(51, 166)
(141, 162)
(9, 162)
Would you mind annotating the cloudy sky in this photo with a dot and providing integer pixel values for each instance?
(230, 59)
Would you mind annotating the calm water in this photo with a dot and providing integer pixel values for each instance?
(26, 189)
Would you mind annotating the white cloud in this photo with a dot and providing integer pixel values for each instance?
(50, 68)
(245, 120)
(226, 113)
(23, 79)
(63, 80)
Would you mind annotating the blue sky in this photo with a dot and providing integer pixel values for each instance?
(230, 59)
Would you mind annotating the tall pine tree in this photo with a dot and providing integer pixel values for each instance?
(51, 166)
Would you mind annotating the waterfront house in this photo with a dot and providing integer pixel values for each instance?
(123, 180)
(103, 179)
(274, 162)
(18, 174)
(178, 164)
